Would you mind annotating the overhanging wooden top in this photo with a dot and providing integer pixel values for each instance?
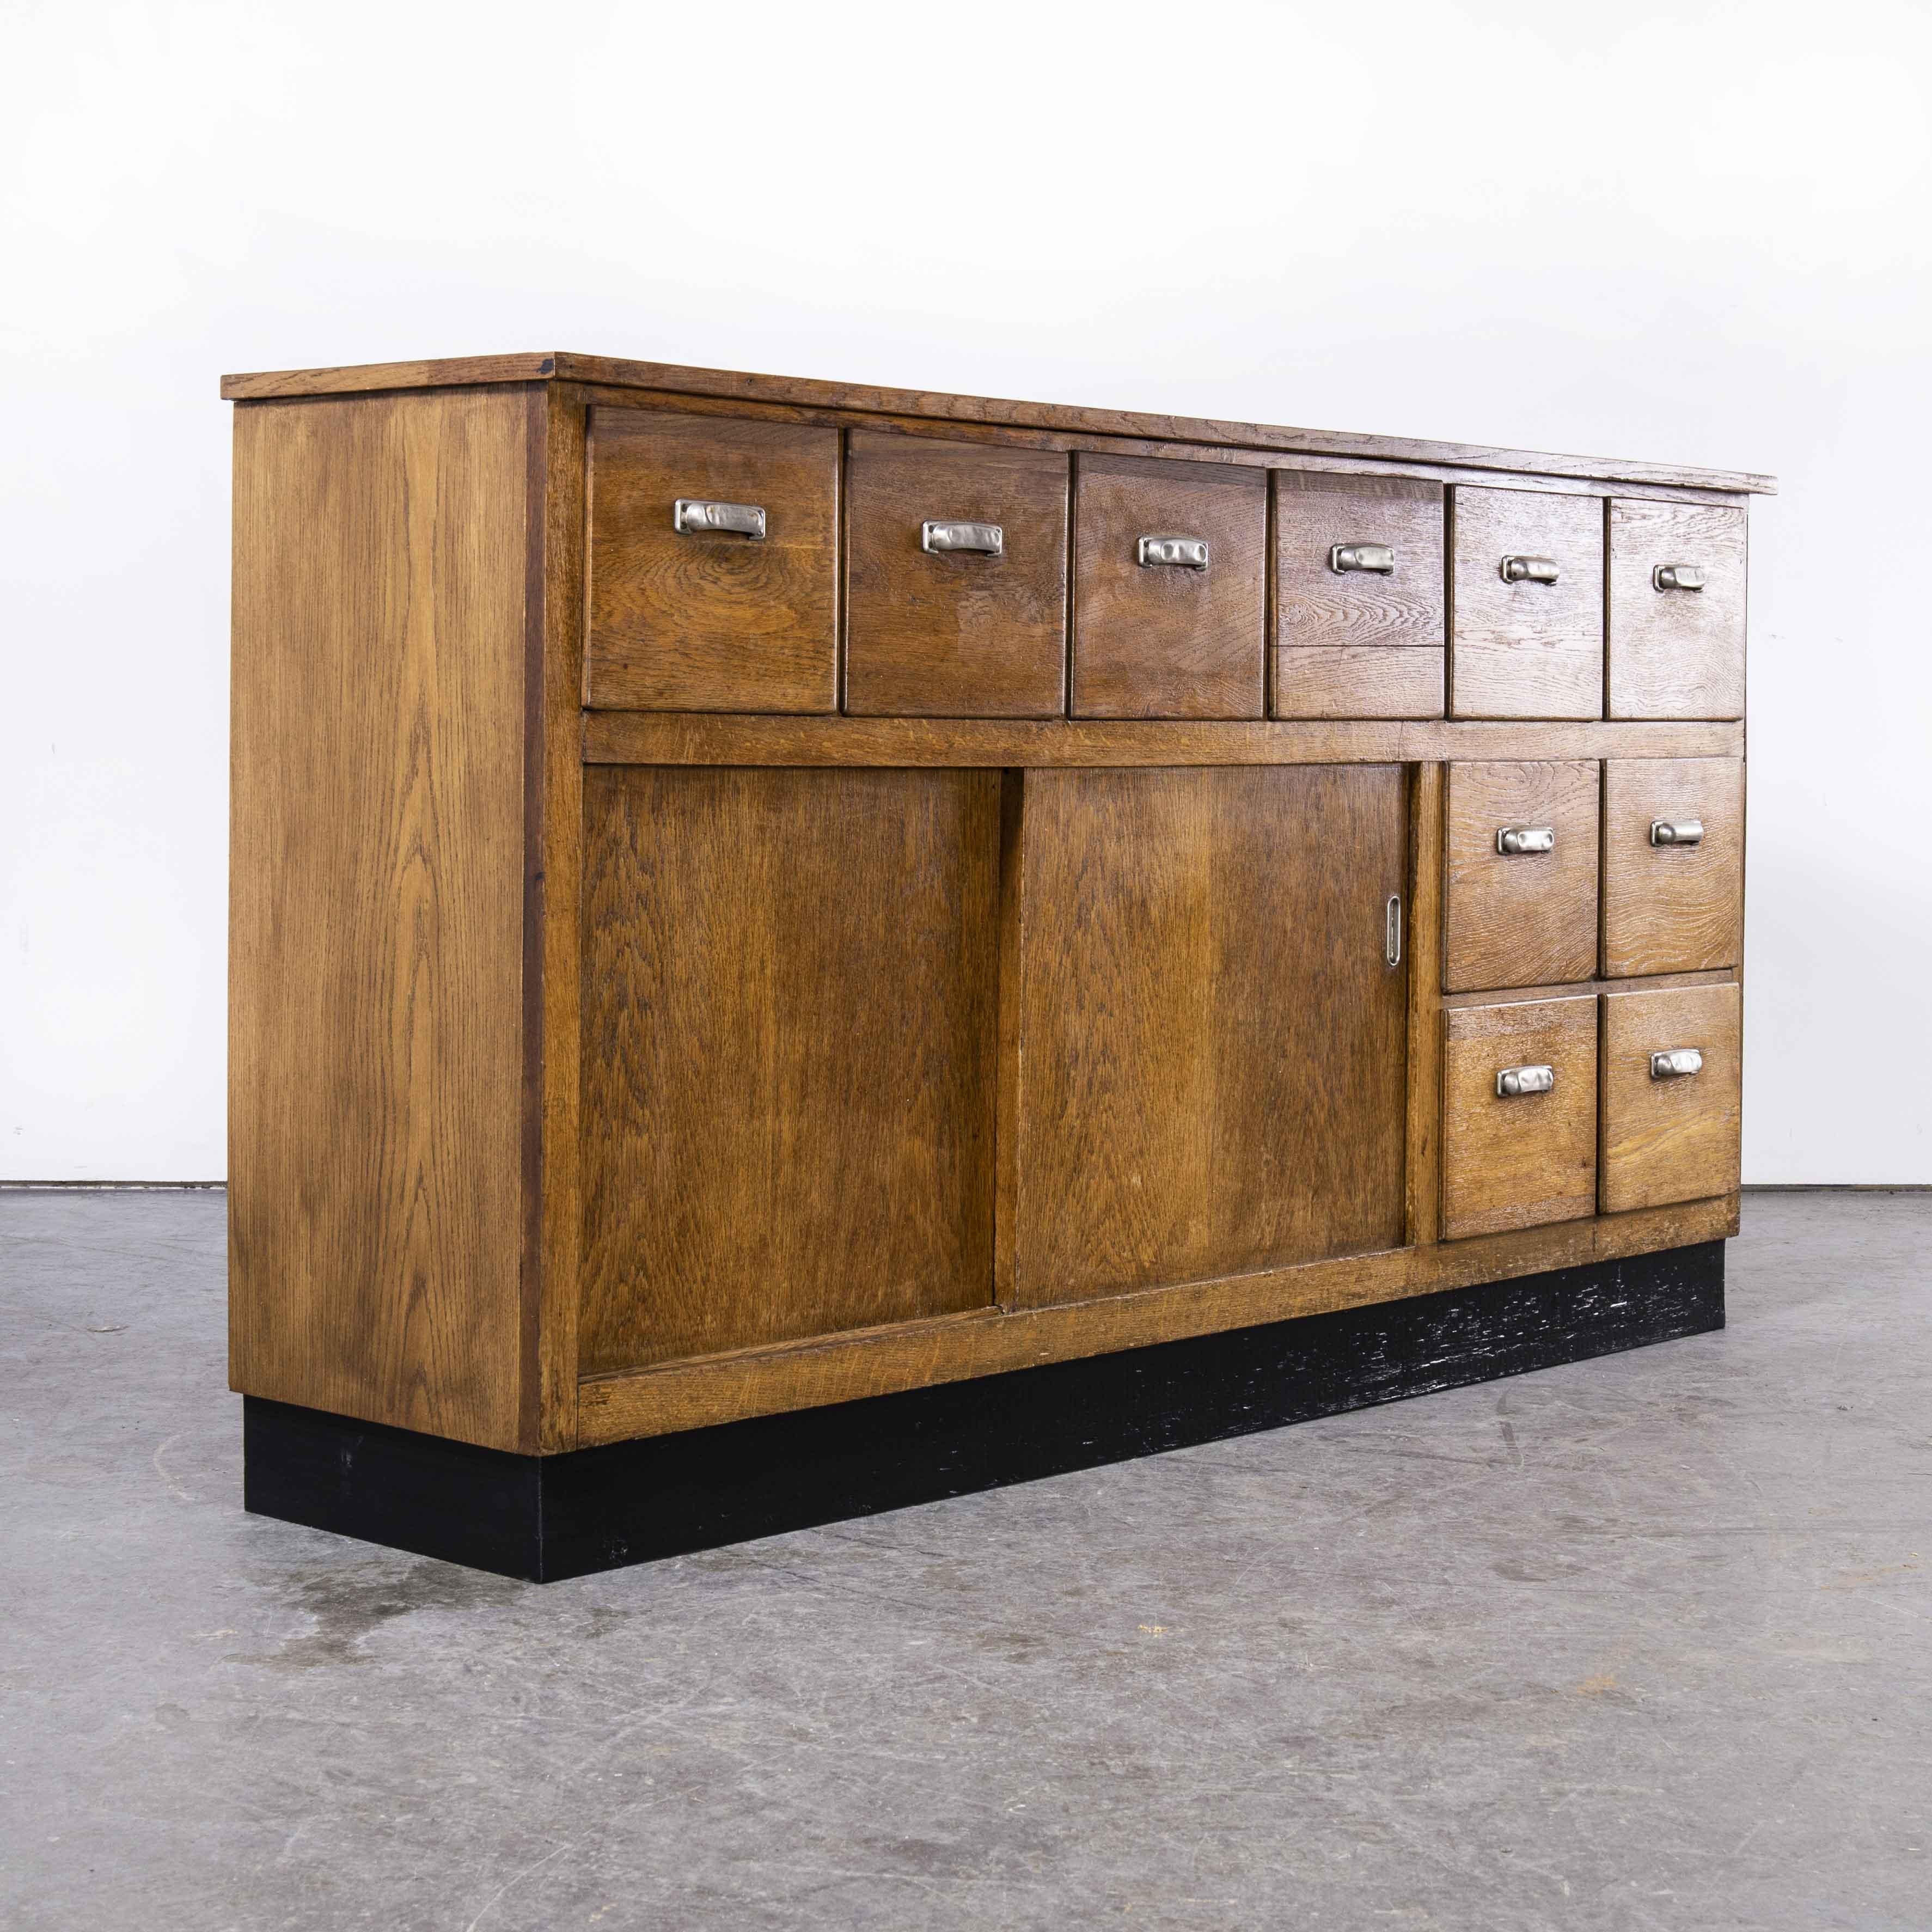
(670, 378)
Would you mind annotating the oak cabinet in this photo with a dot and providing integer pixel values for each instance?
(750, 897)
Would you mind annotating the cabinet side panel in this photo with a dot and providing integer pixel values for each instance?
(376, 916)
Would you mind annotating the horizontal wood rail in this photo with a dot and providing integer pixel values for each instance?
(695, 738)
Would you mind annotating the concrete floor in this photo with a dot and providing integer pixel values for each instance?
(1645, 1642)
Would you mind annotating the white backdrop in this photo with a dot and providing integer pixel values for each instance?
(1678, 232)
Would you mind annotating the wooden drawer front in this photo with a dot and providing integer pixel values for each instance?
(1669, 908)
(1518, 1161)
(1676, 651)
(1521, 919)
(1165, 640)
(1670, 1138)
(1357, 643)
(1526, 648)
(958, 635)
(711, 620)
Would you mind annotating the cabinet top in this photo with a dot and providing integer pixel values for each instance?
(672, 379)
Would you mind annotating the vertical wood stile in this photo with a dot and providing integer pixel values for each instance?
(1422, 1219)
(553, 862)
(1012, 987)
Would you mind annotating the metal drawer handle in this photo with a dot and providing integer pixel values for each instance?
(1378, 557)
(1678, 577)
(689, 517)
(941, 539)
(1514, 1081)
(1677, 832)
(1679, 1064)
(1529, 570)
(1514, 840)
(1183, 553)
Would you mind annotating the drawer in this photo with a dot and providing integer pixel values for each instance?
(685, 617)
(1670, 1136)
(1522, 917)
(1353, 641)
(1155, 633)
(1526, 633)
(1677, 610)
(1518, 1159)
(937, 632)
(1671, 906)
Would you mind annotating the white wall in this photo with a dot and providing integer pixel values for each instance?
(1675, 232)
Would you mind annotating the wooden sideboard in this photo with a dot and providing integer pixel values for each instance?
(776, 923)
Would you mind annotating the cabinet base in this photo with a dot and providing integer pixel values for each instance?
(546, 1518)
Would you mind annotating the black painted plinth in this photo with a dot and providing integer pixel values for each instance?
(549, 1517)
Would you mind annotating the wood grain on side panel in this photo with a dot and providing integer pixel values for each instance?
(789, 1027)
(1357, 643)
(377, 915)
(1212, 1073)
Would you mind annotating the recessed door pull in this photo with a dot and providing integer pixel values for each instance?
(982, 539)
(1513, 1082)
(1677, 832)
(1514, 840)
(1379, 558)
(1179, 553)
(690, 517)
(1529, 570)
(1679, 1064)
(1392, 934)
